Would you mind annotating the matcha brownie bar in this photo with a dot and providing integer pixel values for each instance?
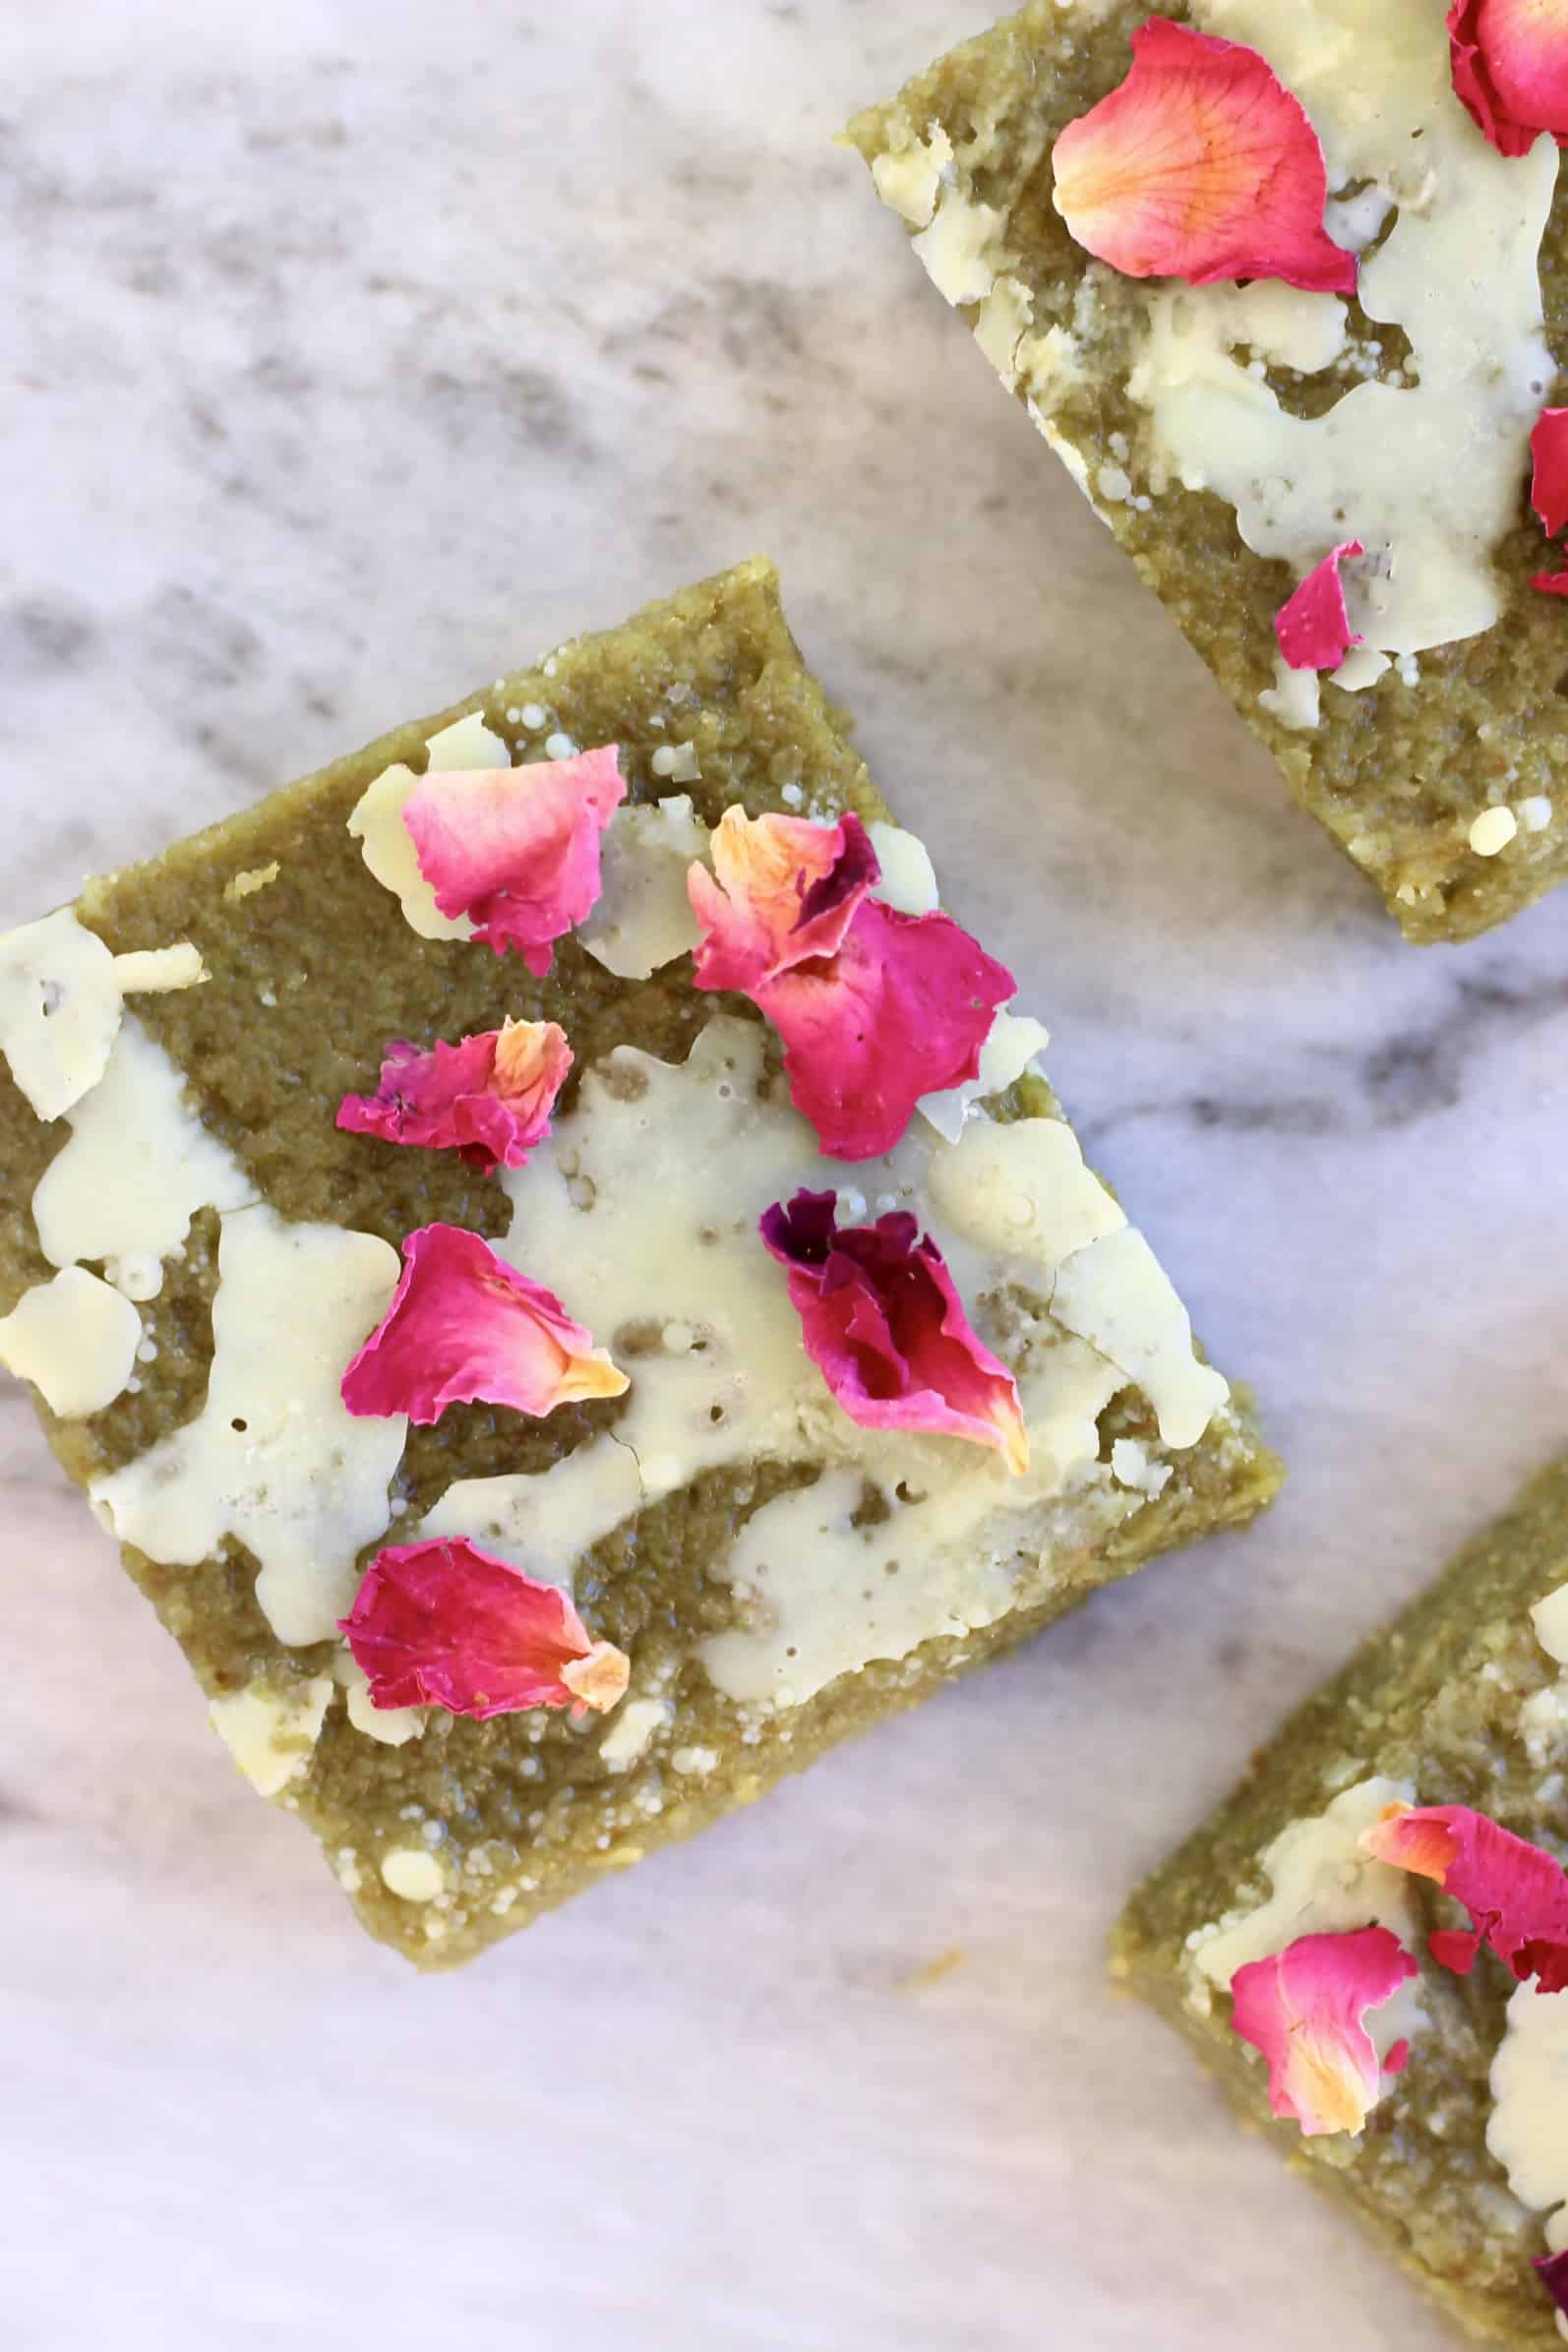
(1369, 1942)
(1285, 284)
(553, 1256)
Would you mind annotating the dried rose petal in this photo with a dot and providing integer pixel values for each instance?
(1314, 627)
(1509, 61)
(517, 851)
(464, 1326)
(1304, 2010)
(903, 1010)
(489, 1099)
(1552, 2270)
(876, 1008)
(1517, 1895)
(1551, 583)
(1549, 490)
(447, 1625)
(883, 1323)
(785, 891)
(1202, 166)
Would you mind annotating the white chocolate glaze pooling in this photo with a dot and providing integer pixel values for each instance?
(62, 998)
(644, 1208)
(1428, 475)
(275, 1459)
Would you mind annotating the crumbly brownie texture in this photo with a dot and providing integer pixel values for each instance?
(1399, 773)
(1457, 1700)
(462, 1833)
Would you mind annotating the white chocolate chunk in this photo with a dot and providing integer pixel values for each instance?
(678, 763)
(908, 880)
(1022, 1191)
(632, 1731)
(1009, 1050)
(1492, 831)
(62, 998)
(274, 1459)
(908, 180)
(961, 250)
(377, 823)
(644, 918)
(272, 1735)
(1528, 2130)
(1118, 1297)
(137, 1167)
(414, 1874)
(391, 1726)
(76, 1340)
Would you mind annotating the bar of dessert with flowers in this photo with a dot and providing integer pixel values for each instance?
(1285, 284)
(1369, 1942)
(548, 1246)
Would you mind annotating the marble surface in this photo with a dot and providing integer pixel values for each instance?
(355, 352)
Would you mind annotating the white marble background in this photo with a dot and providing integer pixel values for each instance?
(353, 351)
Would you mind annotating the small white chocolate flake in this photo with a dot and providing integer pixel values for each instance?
(678, 763)
(908, 879)
(1528, 2130)
(534, 717)
(632, 1731)
(76, 1340)
(909, 178)
(1534, 814)
(414, 1874)
(62, 1000)
(391, 1726)
(1009, 1050)
(247, 884)
(1295, 698)
(377, 823)
(961, 249)
(695, 1763)
(560, 745)
(644, 917)
(272, 1735)
(1492, 831)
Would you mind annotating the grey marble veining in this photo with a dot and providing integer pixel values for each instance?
(355, 352)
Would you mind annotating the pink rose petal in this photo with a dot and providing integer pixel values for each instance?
(1551, 583)
(1549, 490)
(781, 891)
(517, 851)
(903, 1010)
(1510, 62)
(883, 1323)
(876, 1008)
(1314, 627)
(447, 1625)
(1201, 166)
(489, 1099)
(464, 1327)
(1516, 1895)
(1554, 2274)
(1304, 2010)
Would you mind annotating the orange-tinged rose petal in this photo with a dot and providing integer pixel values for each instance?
(1516, 1893)
(445, 1624)
(464, 1327)
(489, 1099)
(1201, 166)
(1509, 61)
(1304, 2010)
